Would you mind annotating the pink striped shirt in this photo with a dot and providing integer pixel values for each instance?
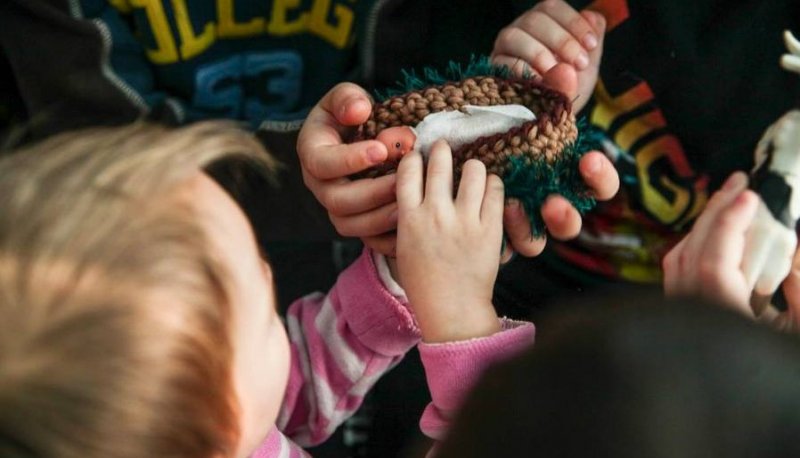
(343, 342)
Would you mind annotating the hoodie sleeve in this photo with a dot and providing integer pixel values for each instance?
(342, 343)
(77, 64)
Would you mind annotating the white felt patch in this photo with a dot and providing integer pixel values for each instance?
(459, 128)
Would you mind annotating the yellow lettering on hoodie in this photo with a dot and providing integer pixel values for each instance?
(166, 52)
(191, 44)
(279, 24)
(229, 28)
(338, 33)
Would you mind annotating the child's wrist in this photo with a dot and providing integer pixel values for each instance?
(470, 322)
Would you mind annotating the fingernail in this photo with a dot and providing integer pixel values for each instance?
(350, 103)
(735, 181)
(376, 155)
(582, 61)
(590, 41)
(343, 107)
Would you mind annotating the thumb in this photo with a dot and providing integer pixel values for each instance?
(563, 78)
(348, 103)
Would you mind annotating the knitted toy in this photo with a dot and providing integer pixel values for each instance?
(771, 239)
(523, 131)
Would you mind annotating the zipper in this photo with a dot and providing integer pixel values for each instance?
(130, 93)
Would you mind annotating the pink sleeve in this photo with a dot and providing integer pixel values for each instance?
(276, 444)
(452, 369)
(342, 343)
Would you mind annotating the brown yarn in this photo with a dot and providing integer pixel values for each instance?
(543, 138)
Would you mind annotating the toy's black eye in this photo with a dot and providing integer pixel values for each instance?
(397, 145)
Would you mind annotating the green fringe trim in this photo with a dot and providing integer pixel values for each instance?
(532, 183)
(477, 66)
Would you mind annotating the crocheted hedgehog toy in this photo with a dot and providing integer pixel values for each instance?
(523, 131)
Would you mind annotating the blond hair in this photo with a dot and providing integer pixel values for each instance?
(114, 326)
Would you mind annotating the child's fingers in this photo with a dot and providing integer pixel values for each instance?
(518, 66)
(705, 223)
(674, 272)
(319, 144)
(563, 78)
(514, 43)
(409, 181)
(472, 188)
(439, 183)
(348, 103)
(367, 224)
(562, 219)
(518, 230)
(324, 157)
(492, 203)
(385, 244)
(573, 22)
(723, 250)
(352, 197)
(599, 175)
(598, 24)
(557, 37)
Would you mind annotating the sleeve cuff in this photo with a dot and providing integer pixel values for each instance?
(452, 368)
(376, 316)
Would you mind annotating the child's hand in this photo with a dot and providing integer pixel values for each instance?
(707, 262)
(550, 33)
(363, 208)
(448, 249)
(564, 47)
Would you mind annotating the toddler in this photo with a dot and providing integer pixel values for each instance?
(138, 318)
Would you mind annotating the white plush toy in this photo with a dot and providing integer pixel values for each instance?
(771, 239)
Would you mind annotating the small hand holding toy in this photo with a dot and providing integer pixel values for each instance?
(772, 240)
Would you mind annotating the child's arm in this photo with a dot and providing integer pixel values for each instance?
(341, 344)
(79, 66)
(708, 261)
(447, 260)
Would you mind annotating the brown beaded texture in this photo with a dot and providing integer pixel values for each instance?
(543, 138)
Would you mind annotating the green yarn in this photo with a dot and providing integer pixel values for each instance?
(532, 182)
(455, 71)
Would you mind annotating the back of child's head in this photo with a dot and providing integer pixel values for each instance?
(114, 336)
(667, 379)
